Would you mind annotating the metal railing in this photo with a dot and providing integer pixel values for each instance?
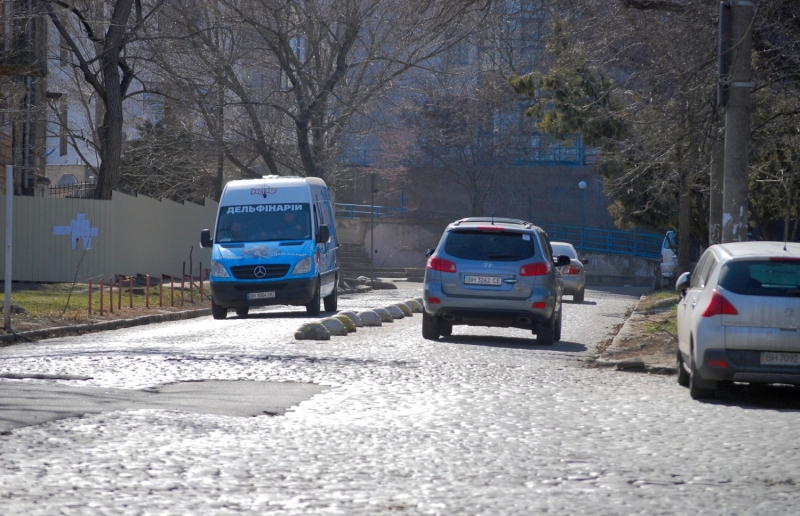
(77, 190)
(632, 243)
(359, 211)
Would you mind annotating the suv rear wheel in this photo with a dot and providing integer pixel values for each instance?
(546, 334)
(431, 326)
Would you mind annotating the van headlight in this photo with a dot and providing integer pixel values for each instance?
(218, 270)
(303, 266)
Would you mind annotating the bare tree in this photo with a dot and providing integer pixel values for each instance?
(299, 76)
(97, 33)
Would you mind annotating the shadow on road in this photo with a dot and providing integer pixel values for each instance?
(513, 343)
(759, 397)
(298, 314)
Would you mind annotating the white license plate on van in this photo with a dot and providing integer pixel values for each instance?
(261, 295)
(483, 280)
(769, 358)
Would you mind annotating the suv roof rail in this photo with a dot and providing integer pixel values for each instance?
(493, 220)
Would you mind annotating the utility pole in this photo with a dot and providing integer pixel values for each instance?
(737, 119)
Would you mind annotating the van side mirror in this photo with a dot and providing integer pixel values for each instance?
(562, 260)
(323, 235)
(683, 282)
(428, 253)
(205, 238)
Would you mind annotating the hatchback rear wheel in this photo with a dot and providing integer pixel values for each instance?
(683, 374)
(698, 389)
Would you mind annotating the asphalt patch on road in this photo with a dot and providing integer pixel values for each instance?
(26, 403)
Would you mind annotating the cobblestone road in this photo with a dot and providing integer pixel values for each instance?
(483, 423)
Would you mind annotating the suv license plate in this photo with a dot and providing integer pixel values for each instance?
(483, 280)
(261, 295)
(768, 358)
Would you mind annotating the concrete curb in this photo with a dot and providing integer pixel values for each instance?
(116, 324)
(606, 358)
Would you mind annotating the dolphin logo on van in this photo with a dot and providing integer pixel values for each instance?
(263, 191)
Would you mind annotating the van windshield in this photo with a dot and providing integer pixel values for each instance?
(263, 222)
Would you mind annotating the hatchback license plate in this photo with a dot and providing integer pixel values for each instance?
(768, 358)
(483, 280)
(261, 295)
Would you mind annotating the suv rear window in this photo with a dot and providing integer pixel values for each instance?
(762, 278)
(504, 246)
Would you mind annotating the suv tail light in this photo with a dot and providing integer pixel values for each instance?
(534, 269)
(440, 264)
(569, 270)
(719, 306)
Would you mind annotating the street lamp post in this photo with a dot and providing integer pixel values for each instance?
(582, 186)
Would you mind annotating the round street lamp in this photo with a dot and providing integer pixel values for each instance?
(582, 186)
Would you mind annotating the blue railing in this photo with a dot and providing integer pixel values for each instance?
(351, 211)
(360, 211)
(632, 243)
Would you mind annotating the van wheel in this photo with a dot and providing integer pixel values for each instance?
(431, 328)
(312, 308)
(242, 312)
(218, 312)
(331, 300)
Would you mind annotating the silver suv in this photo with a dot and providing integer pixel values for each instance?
(493, 272)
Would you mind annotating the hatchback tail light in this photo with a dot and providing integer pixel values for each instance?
(535, 269)
(719, 306)
(440, 264)
(570, 270)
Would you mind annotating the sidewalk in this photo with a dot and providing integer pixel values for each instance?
(645, 343)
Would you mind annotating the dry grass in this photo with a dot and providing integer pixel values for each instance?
(49, 305)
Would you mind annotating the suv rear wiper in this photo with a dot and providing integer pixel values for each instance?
(503, 256)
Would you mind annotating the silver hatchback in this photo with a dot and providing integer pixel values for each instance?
(739, 317)
(493, 272)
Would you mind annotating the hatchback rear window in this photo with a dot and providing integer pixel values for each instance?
(762, 278)
(504, 246)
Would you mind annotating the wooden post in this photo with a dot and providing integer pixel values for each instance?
(172, 291)
(130, 290)
(111, 295)
(161, 291)
(102, 287)
(119, 293)
(183, 276)
(201, 282)
(147, 292)
(90, 297)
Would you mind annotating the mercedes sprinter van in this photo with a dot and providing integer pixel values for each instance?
(274, 244)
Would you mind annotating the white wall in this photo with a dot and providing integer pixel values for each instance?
(133, 235)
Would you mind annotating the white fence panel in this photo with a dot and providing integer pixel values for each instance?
(127, 235)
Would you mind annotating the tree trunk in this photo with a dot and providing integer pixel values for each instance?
(684, 220)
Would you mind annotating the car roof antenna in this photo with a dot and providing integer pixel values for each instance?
(492, 218)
